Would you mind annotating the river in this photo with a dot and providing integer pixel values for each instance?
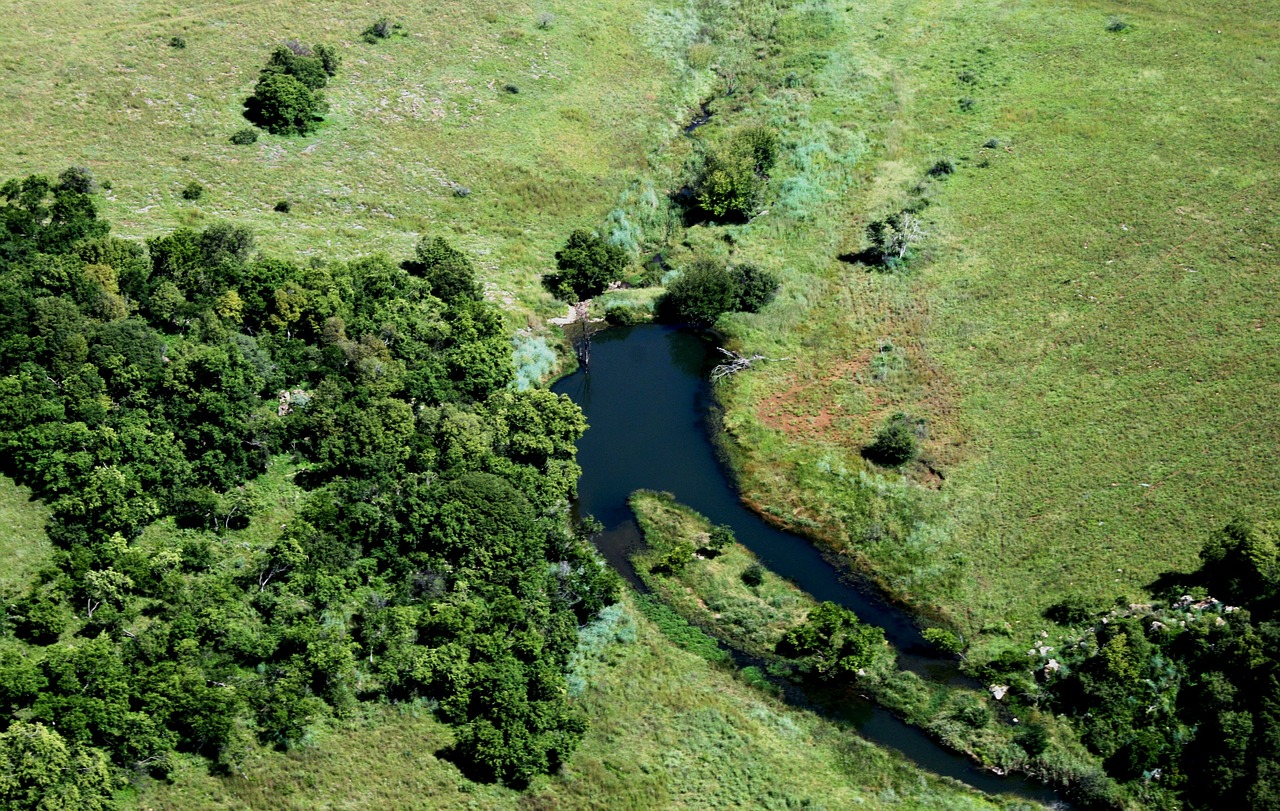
(646, 399)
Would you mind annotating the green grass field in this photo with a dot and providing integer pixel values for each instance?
(1088, 328)
(23, 543)
(410, 118)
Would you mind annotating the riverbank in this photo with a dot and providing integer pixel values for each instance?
(730, 595)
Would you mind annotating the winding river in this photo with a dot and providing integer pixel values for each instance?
(646, 399)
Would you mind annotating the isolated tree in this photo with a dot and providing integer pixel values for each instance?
(283, 105)
(587, 265)
(734, 174)
(832, 641)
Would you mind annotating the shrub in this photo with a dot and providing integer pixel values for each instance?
(545, 20)
(460, 190)
(510, 88)
(893, 238)
(701, 294)
(755, 288)
(383, 28)
(77, 179)
(674, 560)
(966, 104)
(720, 538)
(177, 42)
(1033, 738)
(753, 575)
(1071, 610)
(895, 443)
(1117, 26)
(192, 191)
(244, 137)
(622, 315)
(733, 175)
(283, 207)
(942, 168)
(945, 640)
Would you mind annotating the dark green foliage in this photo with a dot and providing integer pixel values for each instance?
(383, 28)
(287, 98)
(831, 642)
(430, 541)
(753, 575)
(244, 137)
(1071, 610)
(701, 294)
(77, 179)
(192, 191)
(1117, 26)
(177, 42)
(735, 173)
(895, 443)
(282, 206)
(447, 270)
(708, 289)
(755, 288)
(1179, 699)
(942, 168)
(587, 265)
(720, 538)
(283, 105)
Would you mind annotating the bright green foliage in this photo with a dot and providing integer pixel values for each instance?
(40, 772)
(832, 642)
(734, 174)
(587, 265)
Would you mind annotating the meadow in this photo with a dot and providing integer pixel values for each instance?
(1086, 329)
(542, 113)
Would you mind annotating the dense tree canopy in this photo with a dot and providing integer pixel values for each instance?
(587, 265)
(429, 554)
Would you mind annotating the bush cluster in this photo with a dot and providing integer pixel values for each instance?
(707, 289)
(734, 174)
(287, 99)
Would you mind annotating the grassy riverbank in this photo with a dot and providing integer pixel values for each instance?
(669, 730)
(711, 592)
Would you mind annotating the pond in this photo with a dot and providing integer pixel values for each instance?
(646, 399)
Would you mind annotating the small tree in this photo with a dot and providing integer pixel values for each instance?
(587, 265)
(831, 641)
(734, 174)
(283, 105)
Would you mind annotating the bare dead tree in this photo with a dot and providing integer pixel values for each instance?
(736, 363)
(586, 329)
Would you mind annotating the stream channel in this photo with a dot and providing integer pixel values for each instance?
(646, 399)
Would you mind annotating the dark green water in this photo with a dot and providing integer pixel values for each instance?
(646, 398)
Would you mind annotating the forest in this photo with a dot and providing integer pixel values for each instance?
(433, 558)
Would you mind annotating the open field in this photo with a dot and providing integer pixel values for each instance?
(410, 117)
(668, 730)
(1087, 329)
